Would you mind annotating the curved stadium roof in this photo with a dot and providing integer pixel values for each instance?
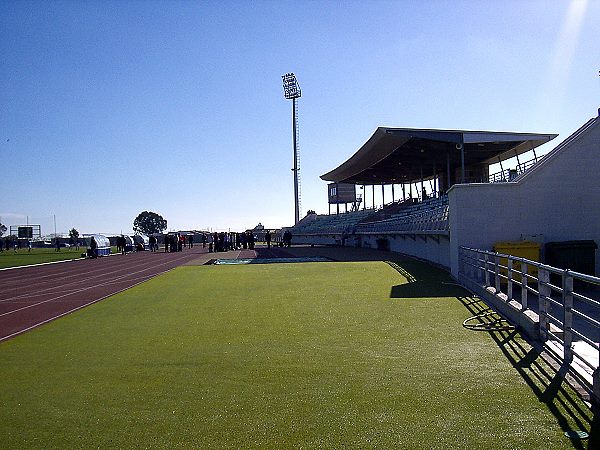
(397, 155)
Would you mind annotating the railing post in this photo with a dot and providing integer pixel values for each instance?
(524, 290)
(596, 386)
(509, 265)
(497, 273)
(567, 285)
(470, 264)
(487, 273)
(544, 291)
(473, 268)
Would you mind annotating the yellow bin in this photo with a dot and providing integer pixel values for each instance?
(524, 249)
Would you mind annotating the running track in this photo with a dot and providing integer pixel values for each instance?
(33, 296)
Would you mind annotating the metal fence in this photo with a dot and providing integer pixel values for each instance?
(566, 303)
(510, 174)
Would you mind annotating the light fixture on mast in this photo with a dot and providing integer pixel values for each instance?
(291, 90)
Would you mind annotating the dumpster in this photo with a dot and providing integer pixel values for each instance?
(523, 249)
(579, 256)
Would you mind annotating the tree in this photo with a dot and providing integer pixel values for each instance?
(2, 229)
(148, 222)
(73, 233)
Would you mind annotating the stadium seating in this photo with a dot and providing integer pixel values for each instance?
(427, 216)
(330, 223)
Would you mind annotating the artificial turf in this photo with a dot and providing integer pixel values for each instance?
(23, 257)
(312, 355)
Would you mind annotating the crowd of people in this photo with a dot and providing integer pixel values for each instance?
(174, 242)
(224, 241)
(9, 242)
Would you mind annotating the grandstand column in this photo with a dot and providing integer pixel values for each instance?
(422, 185)
(533, 150)
(383, 193)
(518, 161)
(448, 171)
(373, 196)
(434, 179)
(393, 198)
(501, 169)
(364, 199)
(461, 147)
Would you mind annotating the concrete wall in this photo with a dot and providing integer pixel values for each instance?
(557, 200)
(317, 240)
(425, 247)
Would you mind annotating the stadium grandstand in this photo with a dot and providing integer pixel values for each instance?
(543, 199)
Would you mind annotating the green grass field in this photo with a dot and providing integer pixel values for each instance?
(22, 257)
(313, 355)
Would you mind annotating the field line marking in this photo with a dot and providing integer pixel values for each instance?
(77, 291)
(40, 264)
(46, 290)
(77, 308)
(71, 275)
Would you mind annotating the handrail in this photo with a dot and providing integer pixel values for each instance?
(511, 174)
(564, 312)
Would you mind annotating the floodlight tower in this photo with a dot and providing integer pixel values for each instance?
(291, 90)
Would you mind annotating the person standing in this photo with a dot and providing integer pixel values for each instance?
(268, 238)
(93, 247)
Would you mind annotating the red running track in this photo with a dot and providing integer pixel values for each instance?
(32, 296)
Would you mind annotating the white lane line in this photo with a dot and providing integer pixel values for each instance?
(101, 275)
(64, 276)
(77, 291)
(75, 309)
(40, 264)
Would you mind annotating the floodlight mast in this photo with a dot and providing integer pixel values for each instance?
(291, 90)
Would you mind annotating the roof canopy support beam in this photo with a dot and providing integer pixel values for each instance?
(462, 163)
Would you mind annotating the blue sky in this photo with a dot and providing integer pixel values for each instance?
(109, 108)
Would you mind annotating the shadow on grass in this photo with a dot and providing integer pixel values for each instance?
(423, 281)
(547, 378)
(544, 374)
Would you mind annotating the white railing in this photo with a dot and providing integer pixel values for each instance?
(566, 303)
(510, 174)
